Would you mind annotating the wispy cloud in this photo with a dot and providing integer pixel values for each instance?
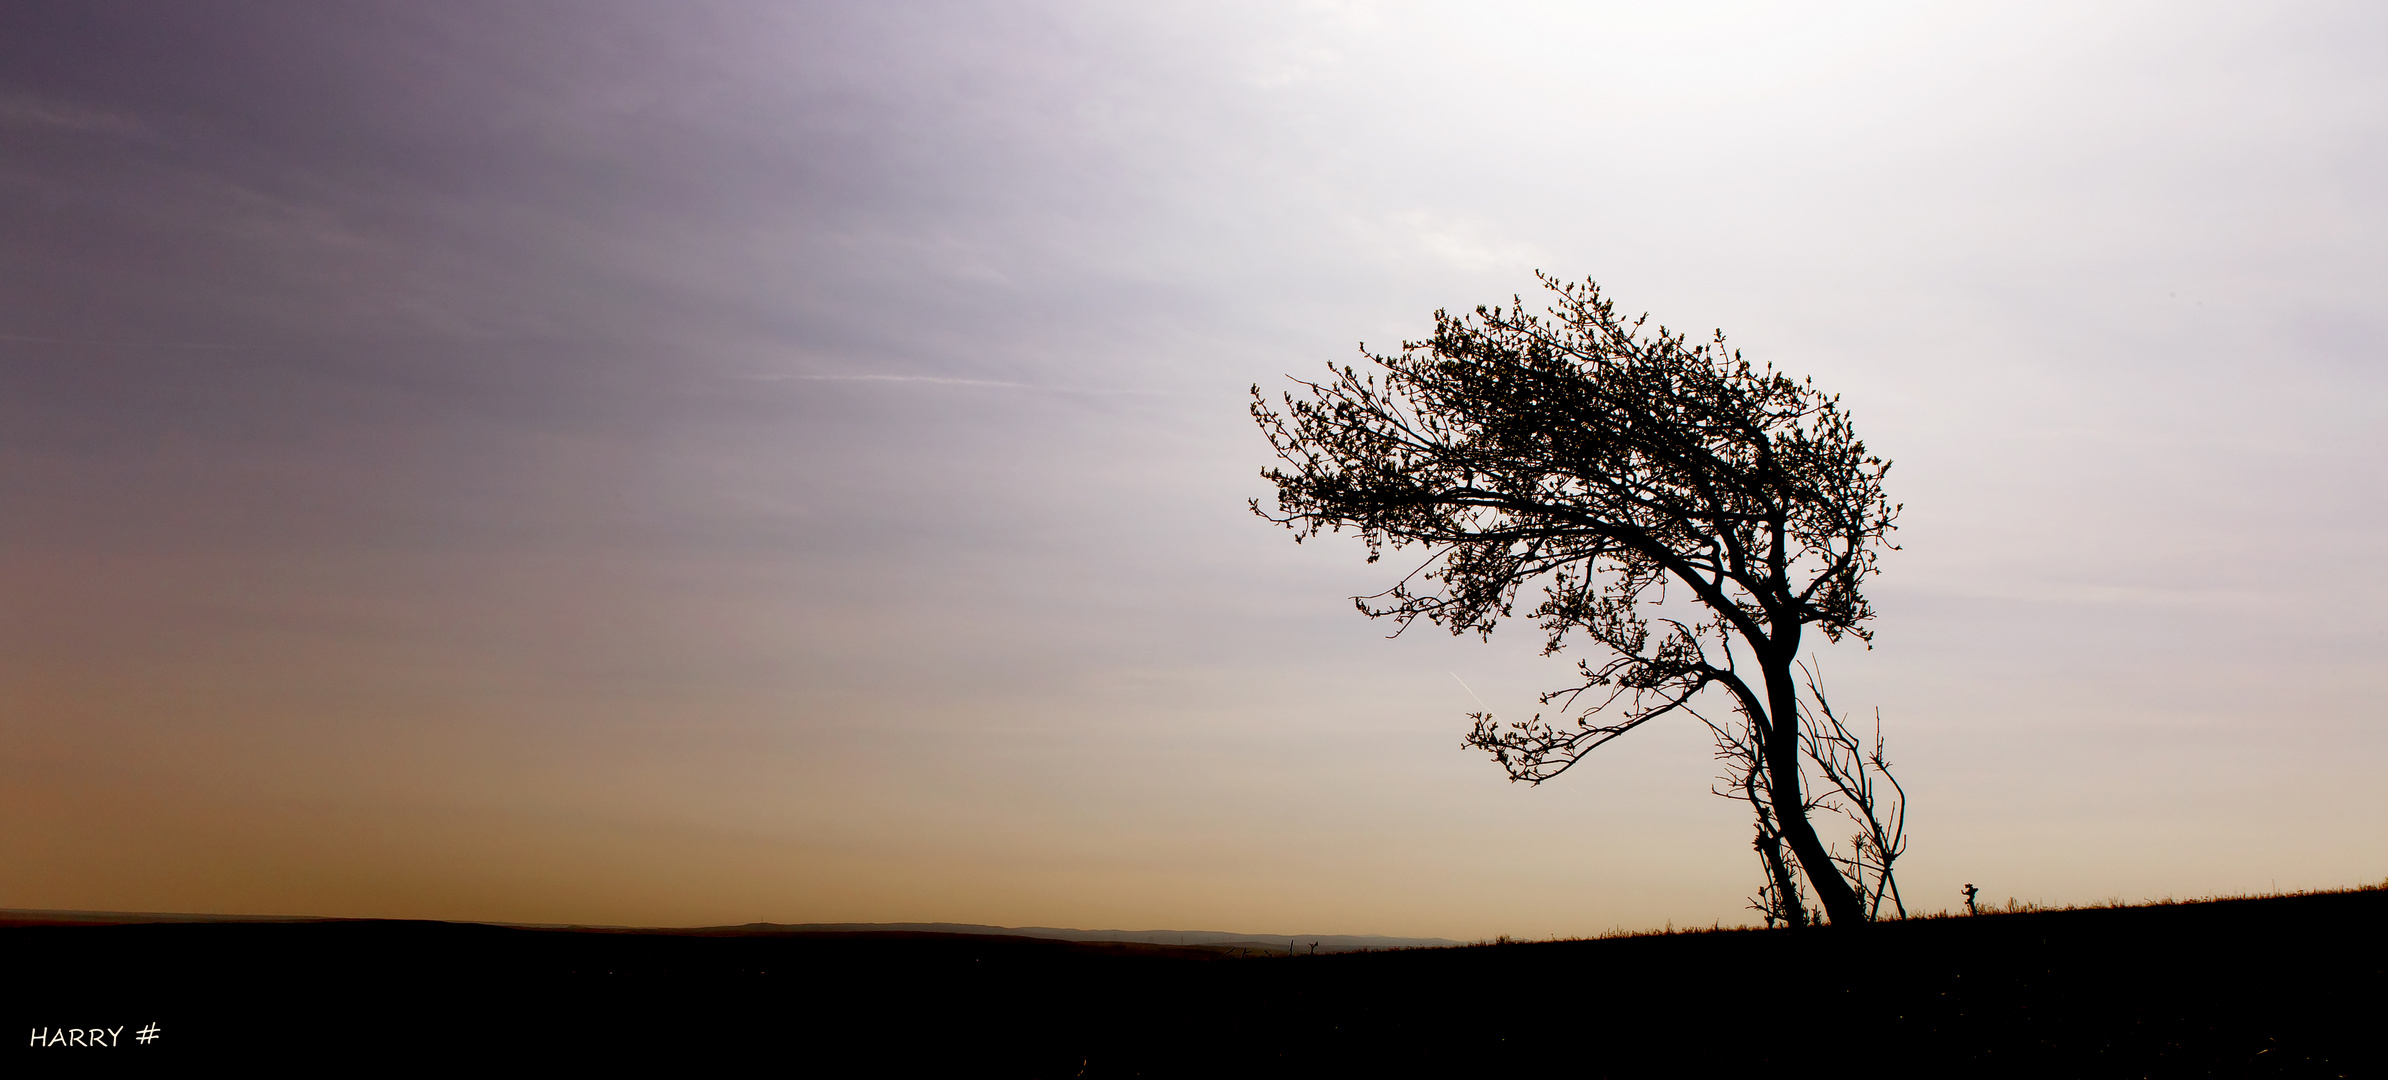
(102, 343)
(937, 379)
(20, 111)
(943, 380)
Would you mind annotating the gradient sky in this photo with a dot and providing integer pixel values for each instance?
(698, 463)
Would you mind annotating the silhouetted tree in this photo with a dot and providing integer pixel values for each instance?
(1573, 452)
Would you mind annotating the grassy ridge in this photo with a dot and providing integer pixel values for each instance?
(2278, 986)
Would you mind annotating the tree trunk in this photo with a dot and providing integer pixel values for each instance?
(1790, 806)
(1778, 874)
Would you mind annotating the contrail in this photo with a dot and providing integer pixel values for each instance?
(1463, 684)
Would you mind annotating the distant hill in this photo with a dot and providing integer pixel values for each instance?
(1217, 939)
(1325, 943)
(43, 917)
(2288, 986)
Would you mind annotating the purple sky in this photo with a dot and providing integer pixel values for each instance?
(693, 463)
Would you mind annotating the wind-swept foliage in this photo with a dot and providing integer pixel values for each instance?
(1577, 455)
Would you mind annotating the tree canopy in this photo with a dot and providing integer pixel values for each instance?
(1600, 465)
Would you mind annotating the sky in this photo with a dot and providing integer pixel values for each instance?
(705, 463)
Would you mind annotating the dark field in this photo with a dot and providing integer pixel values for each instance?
(2284, 986)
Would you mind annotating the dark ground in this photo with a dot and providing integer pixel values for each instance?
(2283, 986)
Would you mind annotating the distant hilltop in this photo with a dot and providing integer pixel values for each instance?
(1325, 943)
(1213, 939)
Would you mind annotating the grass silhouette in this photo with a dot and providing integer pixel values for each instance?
(2273, 985)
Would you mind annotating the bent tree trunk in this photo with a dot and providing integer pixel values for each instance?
(1841, 904)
